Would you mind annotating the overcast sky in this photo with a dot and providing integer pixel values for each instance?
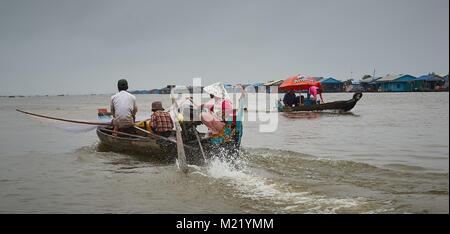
(85, 46)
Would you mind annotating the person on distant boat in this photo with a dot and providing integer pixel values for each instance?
(161, 121)
(313, 91)
(320, 91)
(290, 99)
(302, 100)
(123, 108)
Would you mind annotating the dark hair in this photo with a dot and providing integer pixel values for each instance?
(122, 85)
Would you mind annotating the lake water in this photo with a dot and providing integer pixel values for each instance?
(390, 154)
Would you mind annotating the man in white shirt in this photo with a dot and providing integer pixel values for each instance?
(123, 107)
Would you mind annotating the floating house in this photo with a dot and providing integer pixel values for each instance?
(429, 82)
(273, 86)
(370, 84)
(353, 86)
(396, 83)
(330, 84)
(255, 88)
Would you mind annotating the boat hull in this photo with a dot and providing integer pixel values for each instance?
(146, 146)
(343, 106)
(161, 149)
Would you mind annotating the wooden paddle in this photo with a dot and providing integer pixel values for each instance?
(66, 120)
(200, 145)
(180, 146)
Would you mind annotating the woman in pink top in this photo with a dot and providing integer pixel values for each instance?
(218, 110)
(313, 91)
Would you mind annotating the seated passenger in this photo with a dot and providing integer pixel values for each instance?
(290, 99)
(218, 110)
(123, 109)
(161, 121)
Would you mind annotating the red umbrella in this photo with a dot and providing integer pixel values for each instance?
(299, 83)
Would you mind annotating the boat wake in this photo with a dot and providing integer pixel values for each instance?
(254, 187)
(277, 181)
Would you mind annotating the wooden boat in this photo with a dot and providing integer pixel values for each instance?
(160, 147)
(134, 143)
(343, 106)
(156, 146)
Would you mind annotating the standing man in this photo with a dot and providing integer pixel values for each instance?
(123, 108)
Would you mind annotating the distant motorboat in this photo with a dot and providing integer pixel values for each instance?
(343, 106)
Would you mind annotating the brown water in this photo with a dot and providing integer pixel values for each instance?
(389, 155)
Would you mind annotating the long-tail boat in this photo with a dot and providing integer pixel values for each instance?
(144, 142)
(343, 106)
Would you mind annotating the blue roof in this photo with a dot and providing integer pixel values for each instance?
(405, 78)
(428, 77)
(396, 78)
(330, 80)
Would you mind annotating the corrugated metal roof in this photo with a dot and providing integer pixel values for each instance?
(274, 83)
(401, 77)
(318, 78)
(429, 77)
(388, 77)
(330, 80)
(406, 78)
(370, 80)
